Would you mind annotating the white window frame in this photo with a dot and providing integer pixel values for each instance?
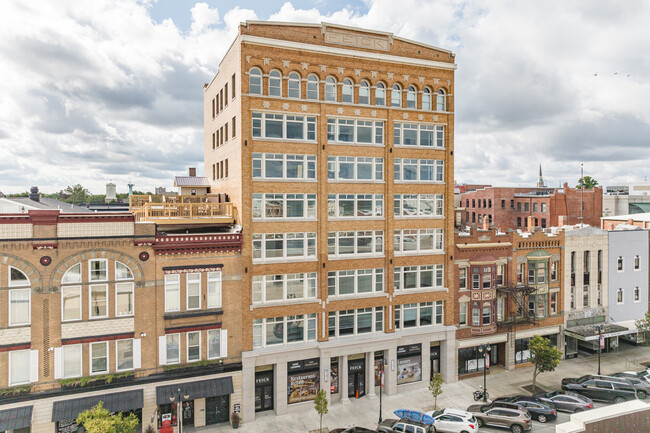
(18, 283)
(620, 299)
(76, 280)
(426, 95)
(276, 77)
(309, 206)
(215, 280)
(334, 125)
(637, 263)
(90, 272)
(260, 282)
(308, 163)
(334, 277)
(620, 261)
(78, 361)
(441, 100)
(90, 301)
(11, 363)
(294, 78)
(376, 243)
(331, 91)
(347, 85)
(437, 241)
(396, 95)
(334, 200)
(637, 294)
(117, 352)
(364, 86)
(437, 277)
(309, 244)
(437, 135)
(13, 292)
(437, 205)
(258, 126)
(168, 283)
(195, 278)
(311, 83)
(380, 88)
(376, 314)
(131, 291)
(333, 163)
(259, 329)
(91, 358)
(462, 313)
(412, 93)
(128, 268)
(255, 73)
(223, 343)
(187, 346)
(435, 306)
(180, 343)
(437, 170)
(462, 282)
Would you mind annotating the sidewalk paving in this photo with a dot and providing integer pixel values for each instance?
(364, 412)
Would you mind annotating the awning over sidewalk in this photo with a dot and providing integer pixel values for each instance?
(198, 389)
(13, 419)
(67, 410)
(590, 332)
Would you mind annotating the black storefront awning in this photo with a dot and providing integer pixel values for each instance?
(13, 419)
(68, 410)
(198, 389)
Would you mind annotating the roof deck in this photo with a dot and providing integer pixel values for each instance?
(182, 210)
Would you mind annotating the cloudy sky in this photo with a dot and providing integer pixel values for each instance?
(94, 91)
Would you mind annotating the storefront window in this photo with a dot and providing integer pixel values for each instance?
(470, 360)
(334, 376)
(303, 380)
(380, 362)
(522, 354)
(409, 363)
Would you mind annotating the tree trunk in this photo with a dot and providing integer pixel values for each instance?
(320, 430)
(535, 380)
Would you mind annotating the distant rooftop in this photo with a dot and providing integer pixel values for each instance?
(191, 181)
(645, 217)
(23, 204)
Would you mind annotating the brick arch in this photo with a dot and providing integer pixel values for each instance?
(65, 264)
(35, 280)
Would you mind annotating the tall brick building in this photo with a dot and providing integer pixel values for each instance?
(335, 145)
(507, 207)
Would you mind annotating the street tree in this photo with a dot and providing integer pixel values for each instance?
(100, 420)
(588, 182)
(435, 387)
(320, 404)
(544, 357)
(643, 326)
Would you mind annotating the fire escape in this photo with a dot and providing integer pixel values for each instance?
(518, 295)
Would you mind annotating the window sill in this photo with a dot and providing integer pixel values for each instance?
(419, 253)
(284, 303)
(355, 256)
(285, 180)
(416, 291)
(329, 143)
(428, 182)
(279, 220)
(374, 218)
(355, 181)
(287, 260)
(192, 313)
(285, 140)
(405, 146)
(421, 217)
(356, 296)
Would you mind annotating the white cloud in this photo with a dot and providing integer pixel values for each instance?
(94, 91)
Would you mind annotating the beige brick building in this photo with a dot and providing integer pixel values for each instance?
(335, 146)
(101, 306)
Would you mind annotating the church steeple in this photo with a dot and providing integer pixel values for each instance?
(540, 179)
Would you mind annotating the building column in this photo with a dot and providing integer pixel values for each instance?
(326, 366)
(426, 362)
(370, 375)
(390, 381)
(280, 388)
(343, 379)
(248, 390)
(510, 351)
(448, 357)
(560, 342)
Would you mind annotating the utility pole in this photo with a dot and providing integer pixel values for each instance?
(600, 336)
(381, 386)
(582, 196)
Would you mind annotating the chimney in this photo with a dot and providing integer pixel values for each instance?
(192, 171)
(529, 223)
(33, 194)
(561, 220)
(486, 224)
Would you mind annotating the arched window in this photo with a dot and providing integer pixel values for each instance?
(122, 271)
(19, 298)
(275, 84)
(312, 87)
(330, 89)
(294, 85)
(380, 94)
(411, 98)
(426, 99)
(347, 93)
(255, 82)
(364, 93)
(440, 100)
(396, 96)
(71, 294)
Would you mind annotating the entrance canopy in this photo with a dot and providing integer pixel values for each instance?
(13, 419)
(67, 410)
(590, 332)
(194, 390)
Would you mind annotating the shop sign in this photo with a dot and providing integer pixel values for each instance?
(408, 350)
(302, 386)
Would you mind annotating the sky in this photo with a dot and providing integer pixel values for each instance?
(111, 90)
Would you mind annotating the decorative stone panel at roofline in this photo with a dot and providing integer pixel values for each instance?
(120, 228)
(16, 335)
(16, 231)
(66, 263)
(93, 328)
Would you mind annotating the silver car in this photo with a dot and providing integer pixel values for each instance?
(566, 401)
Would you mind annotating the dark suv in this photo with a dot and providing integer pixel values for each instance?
(601, 389)
(539, 410)
(642, 387)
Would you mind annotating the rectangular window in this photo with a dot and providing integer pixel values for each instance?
(637, 263)
(71, 354)
(418, 205)
(214, 289)
(225, 93)
(355, 131)
(462, 315)
(362, 243)
(19, 307)
(418, 315)
(172, 292)
(19, 364)
(585, 296)
(173, 348)
(214, 344)
(98, 301)
(554, 265)
(98, 269)
(354, 206)
(124, 354)
(355, 282)
(619, 264)
(462, 278)
(283, 126)
(500, 309)
(283, 330)
(419, 170)
(124, 299)
(487, 315)
(355, 322)
(418, 135)
(99, 357)
(423, 277)
(233, 86)
(280, 166)
(193, 346)
(284, 206)
(283, 287)
(234, 127)
(350, 168)
(193, 288)
(269, 247)
(415, 241)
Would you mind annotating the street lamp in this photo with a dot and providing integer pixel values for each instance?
(484, 349)
(179, 408)
(381, 386)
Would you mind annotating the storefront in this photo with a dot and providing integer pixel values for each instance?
(522, 353)
(65, 412)
(409, 363)
(303, 380)
(202, 402)
(586, 337)
(434, 355)
(334, 376)
(380, 364)
(471, 360)
(264, 389)
(356, 376)
(16, 420)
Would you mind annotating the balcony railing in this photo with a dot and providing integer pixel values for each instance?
(138, 201)
(484, 329)
(185, 213)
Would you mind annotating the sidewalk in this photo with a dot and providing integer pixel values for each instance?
(364, 412)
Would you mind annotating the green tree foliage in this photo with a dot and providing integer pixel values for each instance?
(588, 182)
(100, 420)
(643, 325)
(320, 404)
(75, 194)
(543, 356)
(435, 387)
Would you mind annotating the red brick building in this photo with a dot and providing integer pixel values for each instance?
(507, 207)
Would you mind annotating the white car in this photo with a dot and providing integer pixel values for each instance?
(454, 421)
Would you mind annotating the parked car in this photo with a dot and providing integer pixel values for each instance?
(517, 421)
(643, 374)
(454, 421)
(642, 387)
(566, 401)
(401, 426)
(502, 403)
(603, 390)
(353, 430)
(538, 410)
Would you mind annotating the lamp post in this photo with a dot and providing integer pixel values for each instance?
(600, 337)
(179, 408)
(381, 385)
(484, 349)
